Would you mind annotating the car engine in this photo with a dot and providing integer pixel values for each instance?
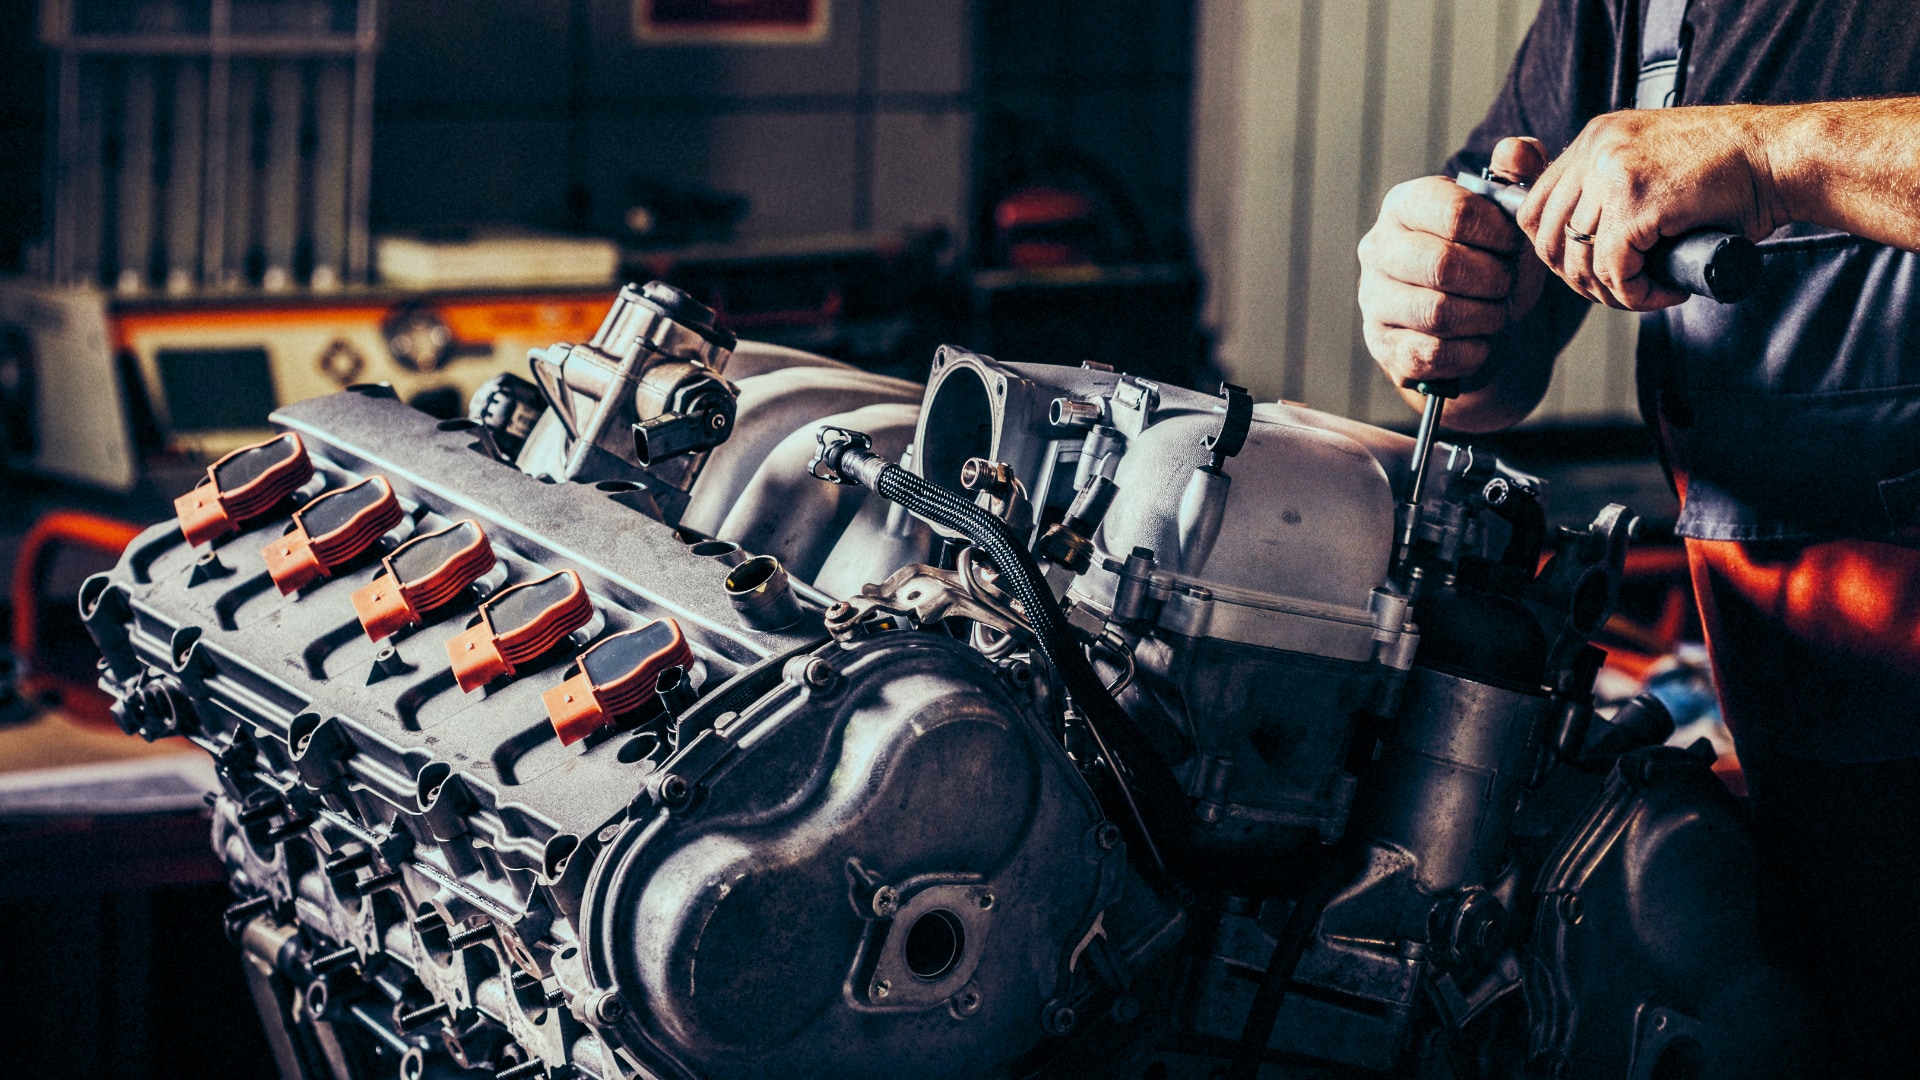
(705, 709)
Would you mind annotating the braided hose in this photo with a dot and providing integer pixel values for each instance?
(1155, 804)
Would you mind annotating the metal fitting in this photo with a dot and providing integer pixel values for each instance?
(761, 593)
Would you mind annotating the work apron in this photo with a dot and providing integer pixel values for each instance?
(1791, 425)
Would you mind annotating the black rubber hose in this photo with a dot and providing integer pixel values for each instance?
(1155, 803)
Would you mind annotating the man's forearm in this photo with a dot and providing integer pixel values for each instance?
(1847, 165)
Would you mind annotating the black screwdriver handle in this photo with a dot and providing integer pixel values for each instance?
(1705, 262)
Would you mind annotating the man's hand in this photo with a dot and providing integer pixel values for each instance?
(1634, 177)
(1443, 270)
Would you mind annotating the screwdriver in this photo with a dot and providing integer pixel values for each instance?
(1437, 391)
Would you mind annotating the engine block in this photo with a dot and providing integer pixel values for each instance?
(1113, 734)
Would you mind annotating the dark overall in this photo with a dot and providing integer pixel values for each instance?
(1791, 423)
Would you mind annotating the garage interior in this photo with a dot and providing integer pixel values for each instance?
(223, 208)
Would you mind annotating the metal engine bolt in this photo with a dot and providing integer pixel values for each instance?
(1125, 1009)
(886, 901)
(419, 1018)
(1572, 910)
(1107, 835)
(473, 936)
(1059, 1019)
(293, 827)
(609, 1008)
(882, 989)
(379, 881)
(337, 960)
(674, 789)
(981, 474)
(524, 1071)
(818, 673)
(966, 1003)
(247, 909)
(260, 812)
(348, 863)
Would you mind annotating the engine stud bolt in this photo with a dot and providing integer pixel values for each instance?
(379, 881)
(260, 811)
(248, 908)
(609, 1008)
(334, 961)
(675, 789)
(473, 936)
(422, 1017)
(348, 863)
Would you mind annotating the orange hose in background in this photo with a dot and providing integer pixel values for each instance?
(103, 534)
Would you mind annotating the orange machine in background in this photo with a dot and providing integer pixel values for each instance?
(91, 383)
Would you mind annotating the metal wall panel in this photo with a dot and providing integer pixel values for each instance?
(1306, 113)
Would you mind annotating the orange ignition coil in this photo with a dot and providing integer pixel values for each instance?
(333, 529)
(616, 677)
(245, 484)
(517, 625)
(424, 573)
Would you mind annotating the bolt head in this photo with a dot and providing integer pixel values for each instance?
(675, 789)
(609, 1008)
(986, 901)
(886, 901)
(818, 673)
(1572, 909)
(1107, 835)
(882, 989)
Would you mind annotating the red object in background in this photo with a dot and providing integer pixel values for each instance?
(731, 20)
(109, 536)
(1638, 649)
(1045, 226)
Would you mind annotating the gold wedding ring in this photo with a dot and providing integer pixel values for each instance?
(1579, 237)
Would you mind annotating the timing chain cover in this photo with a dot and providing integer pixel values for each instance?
(882, 871)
